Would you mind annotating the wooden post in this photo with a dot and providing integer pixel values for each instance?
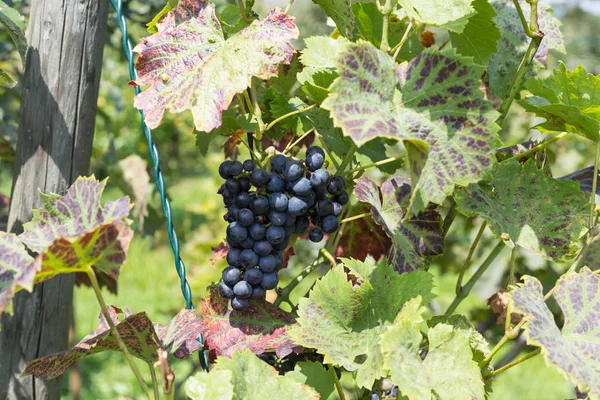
(56, 130)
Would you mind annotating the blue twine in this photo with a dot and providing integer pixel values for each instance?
(158, 177)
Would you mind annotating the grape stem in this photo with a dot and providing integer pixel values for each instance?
(355, 217)
(405, 37)
(517, 362)
(511, 281)
(277, 120)
(154, 380)
(467, 263)
(376, 164)
(291, 145)
(287, 9)
(284, 294)
(347, 160)
(338, 385)
(539, 147)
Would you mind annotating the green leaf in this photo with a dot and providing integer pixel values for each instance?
(369, 27)
(574, 349)
(480, 37)
(6, 80)
(250, 377)
(343, 320)
(452, 15)
(341, 13)
(17, 270)
(152, 25)
(415, 240)
(214, 386)
(317, 377)
(567, 99)
(200, 70)
(141, 337)
(231, 20)
(74, 232)
(433, 103)
(375, 150)
(7, 151)
(511, 49)
(15, 23)
(448, 371)
(528, 208)
(332, 136)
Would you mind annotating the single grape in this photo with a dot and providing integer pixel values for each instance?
(226, 291)
(242, 289)
(275, 234)
(239, 304)
(277, 218)
(257, 231)
(236, 168)
(231, 275)
(244, 183)
(242, 200)
(269, 280)
(324, 208)
(237, 232)
(336, 185)
(282, 245)
(232, 214)
(248, 259)
(259, 177)
(247, 243)
(301, 187)
(249, 165)
(258, 293)
(302, 224)
(245, 217)
(278, 163)
(337, 209)
(315, 236)
(233, 256)
(315, 149)
(225, 169)
(314, 161)
(330, 224)
(293, 171)
(319, 179)
(267, 263)
(263, 247)
(259, 205)
(297, 206)
(278, 201)
(275, 183)
(342, 198)
(232, 186)
(253, 276)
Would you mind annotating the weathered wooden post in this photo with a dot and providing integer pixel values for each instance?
(58, 108)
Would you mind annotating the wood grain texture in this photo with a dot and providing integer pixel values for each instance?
(58, 108)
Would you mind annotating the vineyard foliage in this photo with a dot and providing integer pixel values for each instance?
(409, 100)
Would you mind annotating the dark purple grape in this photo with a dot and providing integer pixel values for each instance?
(233, 256)
(297, 206)
(293, 171)
(278, 163)
(257, 231)
(248, 259)
(225, 169)
(301, 226)
(275, 234)
(245, 217)
(231, 275)
(244, 183)
(330, 224)
(259, 177)
(269, 280)
(249, 165)
(259, 205)
(315, 236)
(239, 304)
(237, 232)
(278, 201)
(267, 263)
(337, 209)
(253, 276)
(247, 243)
(342, 198)
(263, 247)
(226, 291)
(324, 208)
(277, 218)
(236, 168)
(301, 187)
(232, 186)
(242, 200)
(336, 185)
(319, 179)
(275, 183)
(258, 293)
(314, 160)
(242, 289)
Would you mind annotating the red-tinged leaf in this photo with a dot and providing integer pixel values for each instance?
(17, 269)
(190, 65)
(230, 146)
(286, 257)
(142, 338)
(363, 237)
(263, 327)
(219, 252)
(414, 240)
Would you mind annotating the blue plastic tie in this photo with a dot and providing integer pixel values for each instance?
(158, 176)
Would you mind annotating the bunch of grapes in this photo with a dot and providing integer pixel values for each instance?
(264, 210)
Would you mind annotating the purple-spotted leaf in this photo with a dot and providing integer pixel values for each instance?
(568, 100)
(263, 327)
(17, 269)
(340, 12)
(414, 240)
(190, 65)
(511, 49)
(245, 376)
(433, 103)
(142, 338)
(575, 348)
(74, 232)
(529, 208)
(344, 321)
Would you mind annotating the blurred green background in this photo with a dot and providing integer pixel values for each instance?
(148, 280)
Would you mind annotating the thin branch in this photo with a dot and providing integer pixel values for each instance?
(346, 161)
(467, 262)
(292, 144)
(511, 281)
(275, 121)
(405, 37)
(154, 381)
(517, 361)
(526, 27)
(355, 217)
(376, 164)
(338, 385)
(539, 147)
(287, 9)
(284, 294)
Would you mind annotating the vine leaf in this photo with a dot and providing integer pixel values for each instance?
(448, 371)
(6, 81)
(592, 259)
(539, 213)
(574, 349)
(567, 99)
(433, 103)
(7, 151)
(74, 232)
(317, 377)
(17, 270)
(245, 376)
(585, 178)
(452, 15)
(171, 4)
(480, 36)
(414, 240)
(511, 49)
(340, 12)
(261, 328)
(141, 337)
(15, 24)
(343, 320)
(190, 66)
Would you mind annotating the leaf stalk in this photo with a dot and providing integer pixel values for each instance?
(467, 263)
(517, 361)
